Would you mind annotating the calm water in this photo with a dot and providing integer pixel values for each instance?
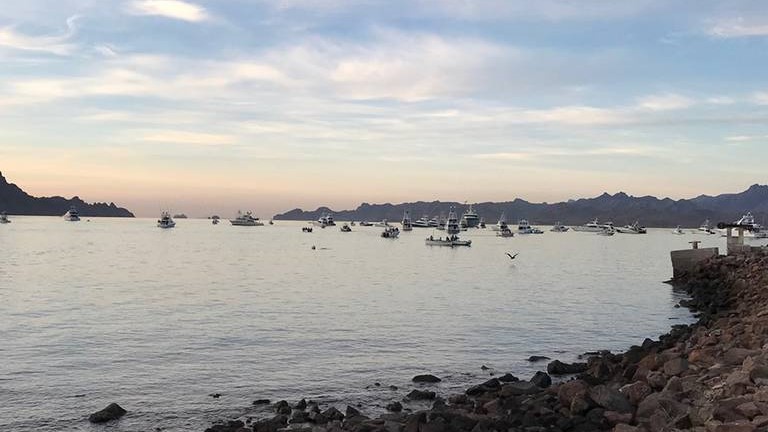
(119, 310)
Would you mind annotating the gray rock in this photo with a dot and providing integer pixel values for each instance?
(113, 411)
(426, 378)
(421, 395)
(610, 399)
(556, 367)
(542, 379)
(394, 407)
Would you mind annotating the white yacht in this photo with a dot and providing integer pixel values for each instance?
(470, 219)
(4, 218)
(72, 215)
(407, 225)
(383, 224)
(452, 223)
(422, 222)
(365, 223)
(749, 221)
(450, 241)
(245, 219)
(434, 222)
(678, 231)
(706, 228)
(523, 227)
(325, 221)
(558, 227)
(501, 225)
(166, 221)
(593, 226)
(390, 232)
(635, 228)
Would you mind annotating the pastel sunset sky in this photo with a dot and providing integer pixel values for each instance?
(209, 106)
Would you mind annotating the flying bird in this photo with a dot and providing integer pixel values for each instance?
(511, 256)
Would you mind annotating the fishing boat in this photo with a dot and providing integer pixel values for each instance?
(245, 219)
(706, 228)
(470, 219)
(390, 232)
(345, 228)
(482, 223)
(452, 223)
(383, 224)
(4, 218)
(501, 224)
(72, 215)
(434, 222)
(450, 241)
(678, 231)
(422, 222)
(325, 220)
(523, 227)
(165, 221)
(407, 225)
(560, 228)
(593, 226)
(635, 228)
(505, 232)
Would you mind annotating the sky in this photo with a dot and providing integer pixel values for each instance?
(209, 106)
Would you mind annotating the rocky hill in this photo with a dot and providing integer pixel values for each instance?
(17, 202)
(619, 208)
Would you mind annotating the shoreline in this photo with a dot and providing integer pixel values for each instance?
(711, 375)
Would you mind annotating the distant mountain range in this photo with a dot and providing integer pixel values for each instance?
(17, 202)
(619, 208)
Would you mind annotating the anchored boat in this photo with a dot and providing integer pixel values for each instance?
(166, 221)
(245, 219)
(450, 241)
(72, 215)
(635, 228)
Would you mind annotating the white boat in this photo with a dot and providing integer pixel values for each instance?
(4, 218)
(325, 220)
(365, 223)
(390, 232)
(558, 227)
(215, 221)
(245, 219)
(435, 222)
(501, 224)
(678, 231)
(450, 241)
(72, 215)
(593, 226)
(523, 227)
(607, 231)
(470, 219)
(345, 228)
(383, 224)
(407, 225)
(422, 222)
(452, 223)
(706, 228)
(166, 221)
(635, 228)
(307, 229)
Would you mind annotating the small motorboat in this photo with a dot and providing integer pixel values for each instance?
(635, 228)
(271, 222)
(72, 215)
(390, 232)
(705, 228)
(505, 232)
(307, 229)
(245, 219)
(165, 221)
(678, 231)
(523, 227)
(558, 227)
(345, 228)
(383, 224)
(352, 223)
(482, 223)
(607, 231)
(215, 221)
(365, 223)
(4, 218)
(450, 241)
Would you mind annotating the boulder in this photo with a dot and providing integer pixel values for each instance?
(735, 427)
(271, 425)
(519, 388)
(394, 406)
(421, 395)
(352, 411)
(556, 367)
(636, 392)
(282, 407)
(542, 379)
(333, 414)
(508, 377)
(570, 390)
(426, 378)
(610, 399)
(113, 411)
(261, 402)
(675, 366)
(537, 358)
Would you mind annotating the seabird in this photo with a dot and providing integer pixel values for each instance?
(511, 256)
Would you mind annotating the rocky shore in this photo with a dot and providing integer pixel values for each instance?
(709, 376)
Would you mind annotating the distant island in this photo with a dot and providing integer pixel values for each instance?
(17, 202)
(619, 208)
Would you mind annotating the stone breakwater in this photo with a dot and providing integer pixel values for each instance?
(709, 376)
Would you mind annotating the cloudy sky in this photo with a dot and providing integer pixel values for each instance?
(215, 105)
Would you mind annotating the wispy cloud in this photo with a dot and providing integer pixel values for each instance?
(174, 9)
(184, 137)
(665, 102)
(739, 27)
(53, 44)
